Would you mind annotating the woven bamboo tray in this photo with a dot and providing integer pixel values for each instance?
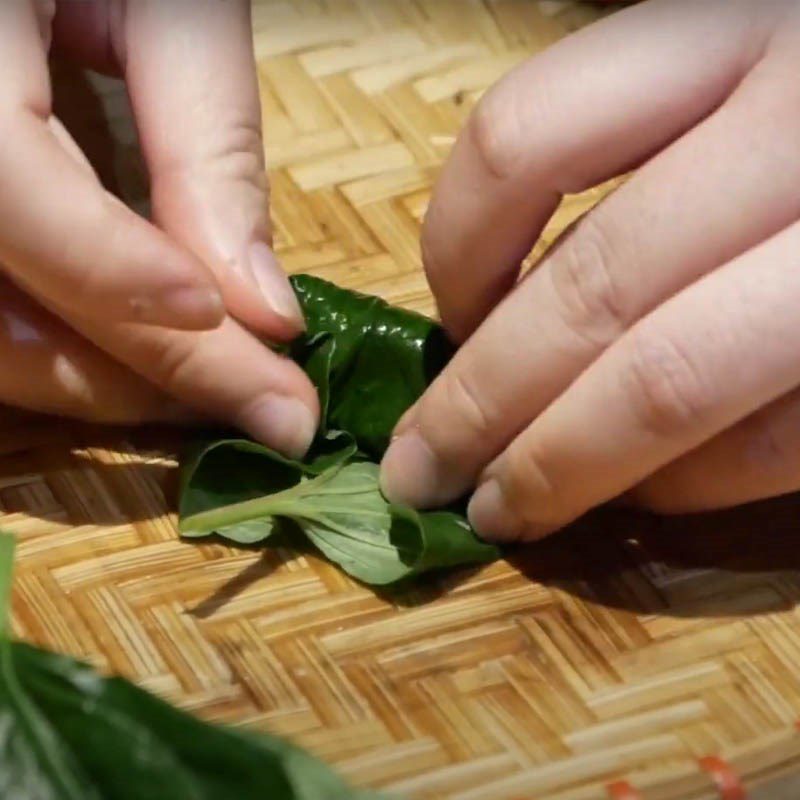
(629, 658)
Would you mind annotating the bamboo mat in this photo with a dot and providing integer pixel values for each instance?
(629, 658)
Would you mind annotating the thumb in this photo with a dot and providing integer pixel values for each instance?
(191, 74)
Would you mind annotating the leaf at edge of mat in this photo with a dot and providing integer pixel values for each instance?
(213, 762)
(221, 762)
(34, 763)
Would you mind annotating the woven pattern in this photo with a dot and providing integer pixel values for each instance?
(629, 658)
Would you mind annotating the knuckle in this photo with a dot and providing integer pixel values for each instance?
(466, 403)
(471, 402)
(586, 287)
(667, 392)
(233, 151)
(496, 135)
(167, 359)
(770, 446)
(239, 155)
(526, 475)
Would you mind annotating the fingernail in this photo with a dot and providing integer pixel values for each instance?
(490, 516)
(281, 422)
(411, 474)
(404, 423)
(274, 285)
(186, 307)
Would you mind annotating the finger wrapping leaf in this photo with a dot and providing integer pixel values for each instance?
(370, 362)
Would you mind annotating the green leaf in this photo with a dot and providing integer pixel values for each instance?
(220, 473)
(369, 360)
(130, 741)
(340, 509)
(66, 732)
(34, 764)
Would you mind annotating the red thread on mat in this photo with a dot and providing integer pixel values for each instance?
(622, 790)
(727, 781)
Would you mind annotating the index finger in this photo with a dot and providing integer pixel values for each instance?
(200, 131)
(201, 136)
(226, 374)
(587, 109)
(62, 237)
(615, 265)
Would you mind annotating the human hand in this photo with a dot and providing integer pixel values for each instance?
(655, 351)
(104, 315)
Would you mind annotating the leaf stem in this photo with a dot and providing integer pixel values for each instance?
(7, 546)
(283, 503)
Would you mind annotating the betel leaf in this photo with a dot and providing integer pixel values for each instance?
(339, 508)
(66, 732)
(370, 361)
(33, 760)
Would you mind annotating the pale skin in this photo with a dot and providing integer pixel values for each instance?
(653, 356)
(109, 317)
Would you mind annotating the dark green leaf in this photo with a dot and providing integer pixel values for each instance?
(66, 732)
(129, 740)
(34, 764)
(369, 360)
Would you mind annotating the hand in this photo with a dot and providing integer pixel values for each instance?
(104, 315)
(655, 352)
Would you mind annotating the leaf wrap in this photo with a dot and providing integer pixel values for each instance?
(370, 362)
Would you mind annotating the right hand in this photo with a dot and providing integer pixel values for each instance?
(103, 315)
(653, 354)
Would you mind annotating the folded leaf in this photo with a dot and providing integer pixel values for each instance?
(340, 509)
(369, 360)
(217, 473)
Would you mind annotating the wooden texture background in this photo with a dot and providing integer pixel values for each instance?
(629, 658)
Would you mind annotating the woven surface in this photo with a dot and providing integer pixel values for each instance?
(629, 658)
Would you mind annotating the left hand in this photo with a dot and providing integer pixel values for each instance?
(110, 317)
(655, 352)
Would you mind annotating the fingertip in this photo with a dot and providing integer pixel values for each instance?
(276, 291)
(493, 519)
(282, 422)
(285, 412)
(490, 515)
(412, 475)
